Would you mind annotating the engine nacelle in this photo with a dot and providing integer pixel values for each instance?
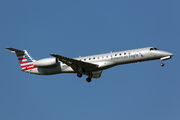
(47, 62)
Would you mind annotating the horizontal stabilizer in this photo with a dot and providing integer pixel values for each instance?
(13, 49)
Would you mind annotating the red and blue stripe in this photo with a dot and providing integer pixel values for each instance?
(141, 54)
(25, 61)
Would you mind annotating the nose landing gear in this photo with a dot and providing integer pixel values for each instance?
(162, 64)
(164, 58)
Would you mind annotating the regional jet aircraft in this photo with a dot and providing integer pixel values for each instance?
(92, 66)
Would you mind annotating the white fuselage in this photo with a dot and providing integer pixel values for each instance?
(105, 61)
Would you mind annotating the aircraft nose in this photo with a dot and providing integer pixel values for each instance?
(168, 53)
(171, 54)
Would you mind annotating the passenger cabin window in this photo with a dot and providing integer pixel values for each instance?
(94, 58)
(106, 56)
(124, 53)
(89, 58)
(115, 54)
(120, 54)
(84, 59)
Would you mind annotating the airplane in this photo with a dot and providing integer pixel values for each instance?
(92, 66)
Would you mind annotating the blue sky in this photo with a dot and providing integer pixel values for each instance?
(143, 91)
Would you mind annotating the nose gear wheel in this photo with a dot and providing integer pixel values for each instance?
(162, 64)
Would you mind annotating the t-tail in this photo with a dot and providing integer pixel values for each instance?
(25, 60)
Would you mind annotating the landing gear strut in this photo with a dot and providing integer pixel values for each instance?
(80, 71)
(88, 79)
(162, 64)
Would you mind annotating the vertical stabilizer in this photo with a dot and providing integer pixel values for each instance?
(24, 58)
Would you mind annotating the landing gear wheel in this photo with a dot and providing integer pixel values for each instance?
(88, 79)
(162, 64)
(79, 75)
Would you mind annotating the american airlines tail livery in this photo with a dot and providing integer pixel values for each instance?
(92, 66)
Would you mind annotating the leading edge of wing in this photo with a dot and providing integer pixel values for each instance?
(74, 62)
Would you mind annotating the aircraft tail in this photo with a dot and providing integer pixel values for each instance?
(24, 58)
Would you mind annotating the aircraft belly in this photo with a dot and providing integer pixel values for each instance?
(67, 70)
(50, 71)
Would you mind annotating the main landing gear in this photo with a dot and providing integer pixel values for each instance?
(79, 75)
(80, 71)
(88, 79)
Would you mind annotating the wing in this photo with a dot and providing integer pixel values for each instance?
(75, 64)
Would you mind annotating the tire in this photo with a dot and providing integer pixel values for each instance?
(79, 75)
(88, 79)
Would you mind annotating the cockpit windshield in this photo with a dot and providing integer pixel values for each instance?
(153, 49)
(156, 49)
